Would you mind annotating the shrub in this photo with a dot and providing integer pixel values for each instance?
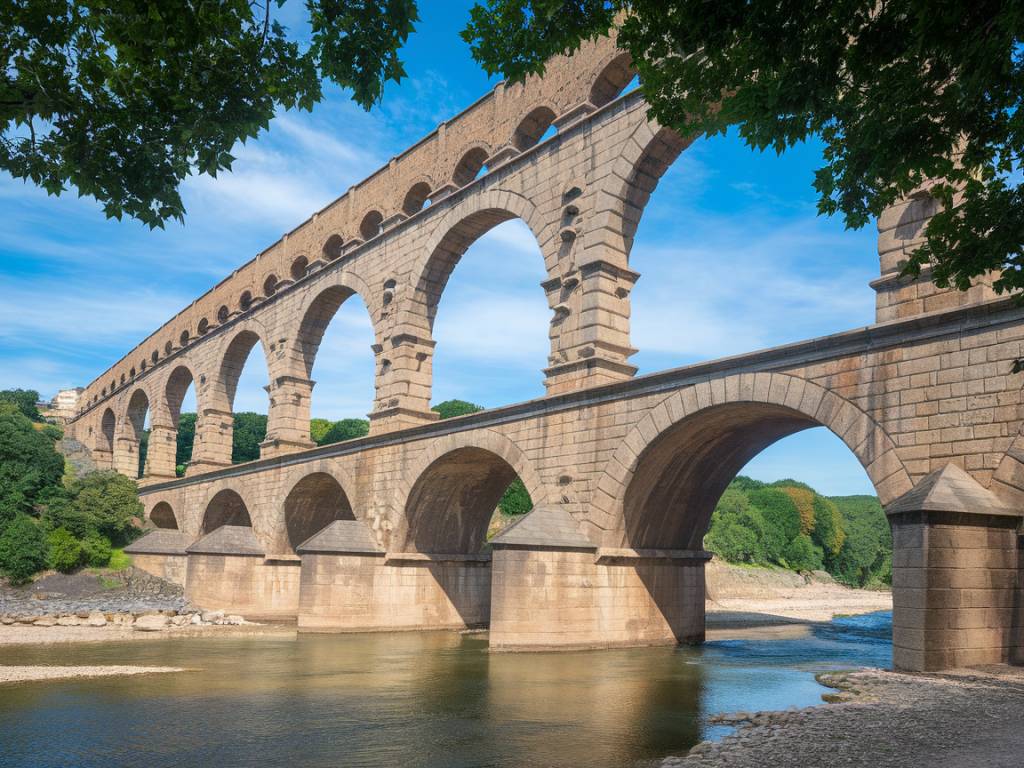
(28, 464)
(452, 408)
(801, 555)
(781, 518)
(803, 500)
(119, 560)
(22, 549)
(96, 550)
(108, 502)
(828, 527)
(516, 499)
(65, 550)
(346, 429)
(737, 531)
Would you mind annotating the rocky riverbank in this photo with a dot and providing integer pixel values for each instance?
(878, 719)
(26, 674)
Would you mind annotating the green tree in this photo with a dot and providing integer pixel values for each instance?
(782, 520)
(828, 533)
(738, 530)
(28, 464)
(24, 400)
(124, 101)
(516, 499)
(65, 550)
(801, 555)
(109, 504)
(346, 429)
(318, 429)
(96, 551)
(250, 429)
(451, 408)
(900, 93)
(185, 441)
(22, 549)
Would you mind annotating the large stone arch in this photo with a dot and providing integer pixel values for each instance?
(297, 488)
(224, 504)
(452, 236)
(162, 515)
(691, 445)
(470, 470)
(231, 357)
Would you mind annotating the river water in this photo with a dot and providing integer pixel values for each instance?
(422, 700)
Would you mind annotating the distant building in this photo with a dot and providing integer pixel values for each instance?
(63, 406)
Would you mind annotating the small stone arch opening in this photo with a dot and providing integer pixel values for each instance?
(315, 502)
(270, 286)
(469, 166)
(108, 428)
(225, 508)
(155, 356)
(416, 199)
(184, 338)
(162, 516)
(371, 225)
(332, 248)
(299, 268)
(245, 301)
(168, 347)
(137, 413)
(203, 327)
(612, 80)
(451, 504)
(223, 314)
(532, 127)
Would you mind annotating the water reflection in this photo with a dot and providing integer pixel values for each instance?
(427, 700)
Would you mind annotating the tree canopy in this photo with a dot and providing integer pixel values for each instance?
(125, 100)
(908, 97)
(23, 400)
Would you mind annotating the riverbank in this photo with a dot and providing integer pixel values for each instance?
(963, 719)
(25, 674)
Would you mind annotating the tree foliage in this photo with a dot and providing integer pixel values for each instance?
(22, 549)
(65, 550)
(906, 96)
(125, 100)
(760, 523)
(28, 464)
(346, 429)
(452, 408)
(24, 400)
(250, 429)
(108, 504)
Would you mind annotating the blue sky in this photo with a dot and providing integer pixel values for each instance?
(731, 253)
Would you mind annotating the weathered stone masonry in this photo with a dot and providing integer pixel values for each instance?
(387, 532)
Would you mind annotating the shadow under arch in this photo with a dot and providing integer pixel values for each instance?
(313, 503)
(225, 508)
(162, 516)
(664, 481)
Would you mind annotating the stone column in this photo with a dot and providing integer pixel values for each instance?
(126, 456)
(404, 371)
(590, 328)
(553, 589)
(288, 419)
(161, 453)
(212, 447)
(956, 566)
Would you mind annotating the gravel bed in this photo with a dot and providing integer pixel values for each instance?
(969, 719)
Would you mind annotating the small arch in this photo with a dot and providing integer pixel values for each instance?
(168, 347)
(612, 80)
(203, 327)
(223, 314)
(162, 516)
(108, 428)
(416, 199)
(155, 356)
(184, 338)
(122, 378)
(245, 301)
(131, 373)
(469, 166)
(532, 127)
(299, 268)
(270, 286)
(225, 508)
(332, 248)
(313, 503)
(370, 226)
(113, 385)
(142, 365)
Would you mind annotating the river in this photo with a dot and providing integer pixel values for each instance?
(417, 700)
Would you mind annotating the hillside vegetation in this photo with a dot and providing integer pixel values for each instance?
(789, 524)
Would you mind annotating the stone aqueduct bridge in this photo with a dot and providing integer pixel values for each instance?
(387, 531)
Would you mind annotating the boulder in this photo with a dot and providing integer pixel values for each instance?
(5, 619)
(68, 621)
(179, 621)
(196, 619)
(212, 617)
(234, 619)
(153, 622)
(96, 619)
(45, 621)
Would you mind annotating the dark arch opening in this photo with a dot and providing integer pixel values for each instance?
(162, 516)
(332, 248)
(245, 301)
(532, 127)
(270, 286)
(223, 314)
(314, 503)
(416, 198)
(226, 508)
(613, 80)
(299, 267)
(370, 226)
(451, 504)
(469, 166)
(108, 428)
(138, 418)
(184, 338)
